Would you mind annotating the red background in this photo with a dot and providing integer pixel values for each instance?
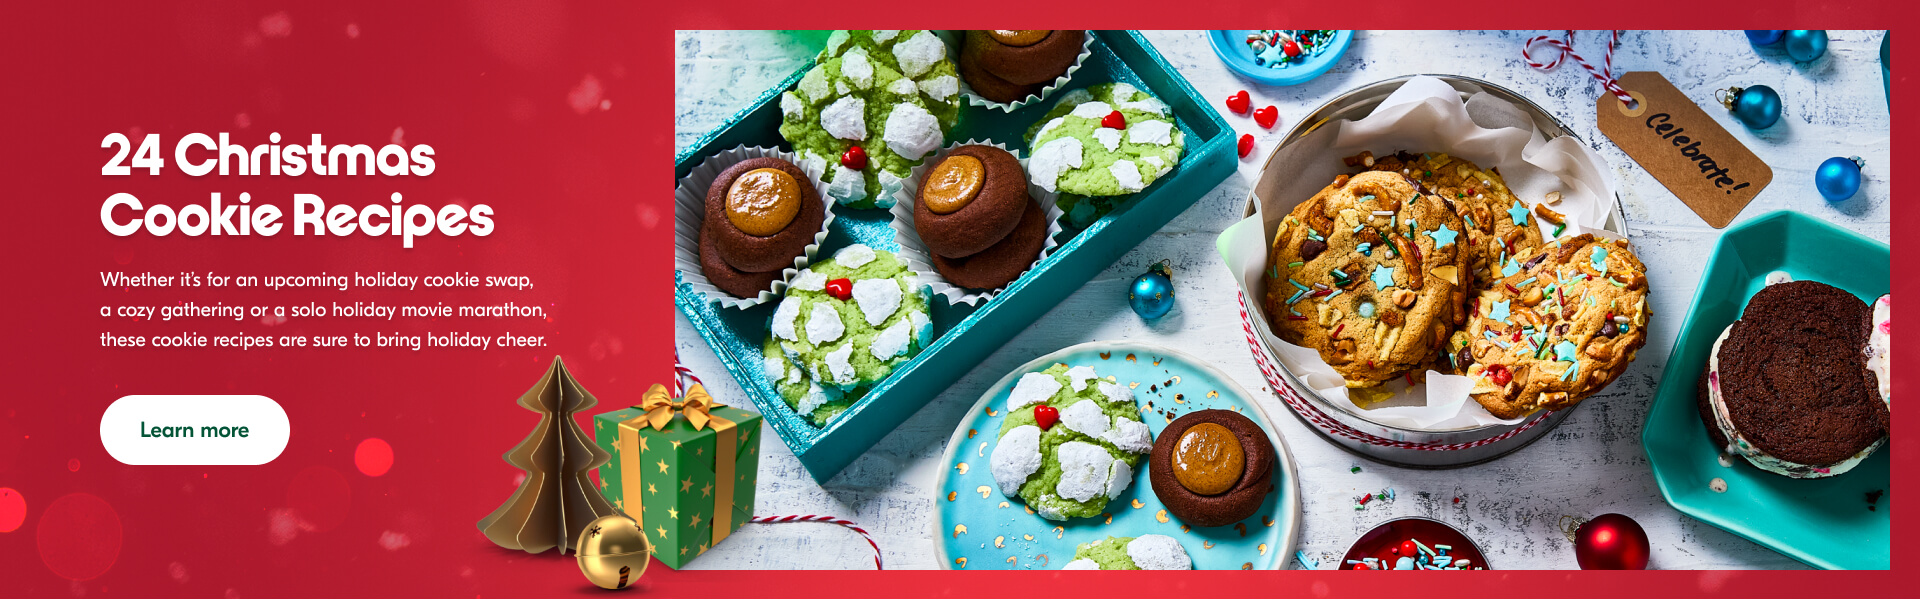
(506, 93)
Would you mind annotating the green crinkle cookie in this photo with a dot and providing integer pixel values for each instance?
(1110, 554)
(1073, 153)
(893, 93)
(1151, 551)
(852, 343)
(817, 404)
(1109, 424)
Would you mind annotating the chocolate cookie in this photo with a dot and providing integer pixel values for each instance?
(730, 280)
(1567, 322)
(994, 88)
(1023, 57)
(1367, 272)
(1793, 376)
(762, 212)
(1212, 467)
(970, 201)
(1003, 262)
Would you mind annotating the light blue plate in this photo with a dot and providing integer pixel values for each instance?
(997, 529)
(1231, 47)
(1822, 522)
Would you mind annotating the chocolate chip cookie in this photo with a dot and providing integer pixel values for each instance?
(1560, 327)
(1368, 272)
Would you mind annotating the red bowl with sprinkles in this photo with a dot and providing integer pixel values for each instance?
(1414, 543)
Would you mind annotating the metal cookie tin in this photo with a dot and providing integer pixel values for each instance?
(1430, 449)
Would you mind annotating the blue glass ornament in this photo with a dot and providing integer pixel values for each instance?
(1152, 293)
(1765, 37)
(1805, 44)
(1757, 106)
(1838, 178)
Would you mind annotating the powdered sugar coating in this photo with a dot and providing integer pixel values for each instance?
(783, 318)
(1108, 137)
(1052, 159)
(840, 363)
(1125, 172)
(1092, 110)
(857, 69)
(824, 325)
(1033, 388)
(1015, 457)
(1086, 417)
(1078, 376)
(1084, 471)
(919, 52)
(892, 341)
(1129, 435)
(912, 132)
(1155, 552)
(809, 280)
(846, 118)
(940, 88)
(877, 298)
(855, 256)
(1159, 133)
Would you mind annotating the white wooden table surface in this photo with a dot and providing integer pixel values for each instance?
(1590, 465)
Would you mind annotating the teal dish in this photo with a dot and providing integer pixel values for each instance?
(967, 496)
(1230, 46)
(963, 335)
(1822, 522)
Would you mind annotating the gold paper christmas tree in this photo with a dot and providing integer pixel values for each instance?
(556, 501)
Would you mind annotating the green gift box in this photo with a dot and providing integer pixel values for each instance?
(684, 469)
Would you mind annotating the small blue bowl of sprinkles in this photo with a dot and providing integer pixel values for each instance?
(1280, 56)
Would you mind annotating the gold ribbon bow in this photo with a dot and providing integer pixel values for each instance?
(660, 407)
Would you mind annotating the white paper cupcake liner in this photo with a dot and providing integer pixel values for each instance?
(915, 251)
(690, 210)
(955, 42)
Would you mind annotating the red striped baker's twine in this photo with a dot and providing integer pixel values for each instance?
(682, 374)
(1565, 48)
(826, 519)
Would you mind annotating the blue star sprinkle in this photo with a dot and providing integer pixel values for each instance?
(1442, 236)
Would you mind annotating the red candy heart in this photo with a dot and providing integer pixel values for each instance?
(1114, 120)
(1238, 102)
(1045, 416)
(1292, 49)
(1246, 144)
(841, 288)
(854, 158)
(1266, 117)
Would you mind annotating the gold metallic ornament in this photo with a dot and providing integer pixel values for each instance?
(613, 551)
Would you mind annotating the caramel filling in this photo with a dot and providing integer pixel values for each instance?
(763, 201)
(1208, 459)
(953, 184)
(1019, 37)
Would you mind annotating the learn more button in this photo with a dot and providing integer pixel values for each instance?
(194, 430)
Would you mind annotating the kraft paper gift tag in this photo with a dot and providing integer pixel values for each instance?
(1683, 147)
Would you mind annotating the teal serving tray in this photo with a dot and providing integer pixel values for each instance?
(975, 527)
(1822, 522)
(965, 335)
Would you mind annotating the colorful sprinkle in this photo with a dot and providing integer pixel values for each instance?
(1519, 214)
(1501, 311)
(1382, 276)
(1442, 236)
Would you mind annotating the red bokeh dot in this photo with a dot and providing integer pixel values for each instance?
(73, 464)
(79, 536)
(373, 457)
(319, 496)
(13, 510)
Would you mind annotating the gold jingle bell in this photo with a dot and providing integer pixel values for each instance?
(613, 551)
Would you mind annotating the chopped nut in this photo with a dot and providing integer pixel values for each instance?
(1534, 295)
(1340, 182)
(1369, 235)
(1482, 219)
(1342, 352)
(1553, 198)
(1392, 318)
(1599, 350)
(1404, 298)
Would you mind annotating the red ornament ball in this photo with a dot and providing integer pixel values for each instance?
(1611, 541)
(1292, 49)
(1045, 416)
(1408, 549)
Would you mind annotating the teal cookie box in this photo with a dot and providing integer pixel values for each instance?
(965, 335)
(1822, 522)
